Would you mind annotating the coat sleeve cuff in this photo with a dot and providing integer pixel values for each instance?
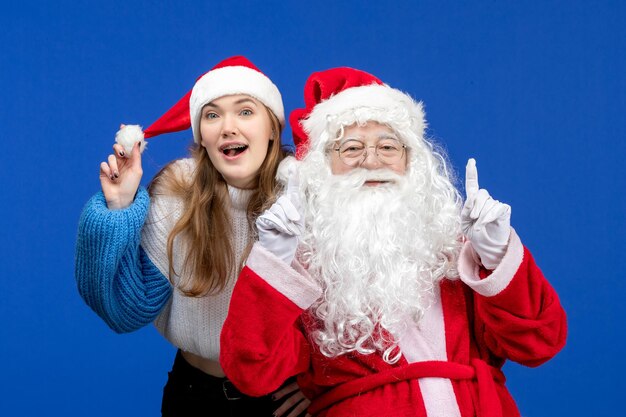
(293, 282)
(499, 279)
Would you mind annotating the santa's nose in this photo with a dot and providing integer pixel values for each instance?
(371, 161)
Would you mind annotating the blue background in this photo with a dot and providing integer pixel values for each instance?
(534, 90)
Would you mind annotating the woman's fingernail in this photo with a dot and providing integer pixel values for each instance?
(116, 174)
(121, 153)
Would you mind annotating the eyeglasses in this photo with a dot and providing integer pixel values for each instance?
(353, 152)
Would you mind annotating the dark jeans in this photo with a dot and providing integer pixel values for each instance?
(189, 392)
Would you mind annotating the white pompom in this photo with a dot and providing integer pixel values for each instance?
(128, 135)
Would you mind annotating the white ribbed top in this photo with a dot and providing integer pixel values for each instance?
(192, 324)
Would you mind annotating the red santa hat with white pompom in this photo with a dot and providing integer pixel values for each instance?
(235, 75)
(339, 97)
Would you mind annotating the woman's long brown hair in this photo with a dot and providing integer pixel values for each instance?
(205, 222)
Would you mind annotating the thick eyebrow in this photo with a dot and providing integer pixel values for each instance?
(245, 100)
(240, 101)
(378, 137)
(347, 138)
(388, 136)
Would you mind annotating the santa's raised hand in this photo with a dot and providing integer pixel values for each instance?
(486, 222)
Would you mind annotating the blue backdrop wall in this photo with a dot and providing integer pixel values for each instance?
(534, 90)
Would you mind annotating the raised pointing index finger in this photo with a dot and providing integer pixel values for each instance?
(293, 182)
(471, 178)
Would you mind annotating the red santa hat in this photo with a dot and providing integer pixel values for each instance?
(234, 75)
(340, 97)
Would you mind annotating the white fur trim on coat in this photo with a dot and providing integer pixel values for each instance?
(500, 277)
(294, 282)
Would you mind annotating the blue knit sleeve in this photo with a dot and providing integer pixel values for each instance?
(114, 275)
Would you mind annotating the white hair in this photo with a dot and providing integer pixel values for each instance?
(377, 252)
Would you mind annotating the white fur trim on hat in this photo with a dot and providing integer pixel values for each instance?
(233, 80)
(379, 103)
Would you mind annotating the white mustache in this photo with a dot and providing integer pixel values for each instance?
(360, 176)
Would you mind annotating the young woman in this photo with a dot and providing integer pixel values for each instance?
(170, 254)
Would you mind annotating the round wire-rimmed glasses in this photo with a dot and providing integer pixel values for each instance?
(353, 152)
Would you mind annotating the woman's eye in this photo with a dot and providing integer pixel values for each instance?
(211, 115)
(246, 112)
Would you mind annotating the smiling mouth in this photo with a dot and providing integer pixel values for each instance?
(233, 150)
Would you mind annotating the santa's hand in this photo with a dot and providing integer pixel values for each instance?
(485, 221)
(281, 224)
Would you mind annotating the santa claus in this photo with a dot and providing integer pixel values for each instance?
(372, 280)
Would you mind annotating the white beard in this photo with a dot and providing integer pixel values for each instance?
(377, 253)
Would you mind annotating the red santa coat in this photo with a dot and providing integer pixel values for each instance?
(450, 364)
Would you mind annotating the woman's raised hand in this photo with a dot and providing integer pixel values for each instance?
(120, 176)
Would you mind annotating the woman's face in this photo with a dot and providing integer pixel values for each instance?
(236, 132)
